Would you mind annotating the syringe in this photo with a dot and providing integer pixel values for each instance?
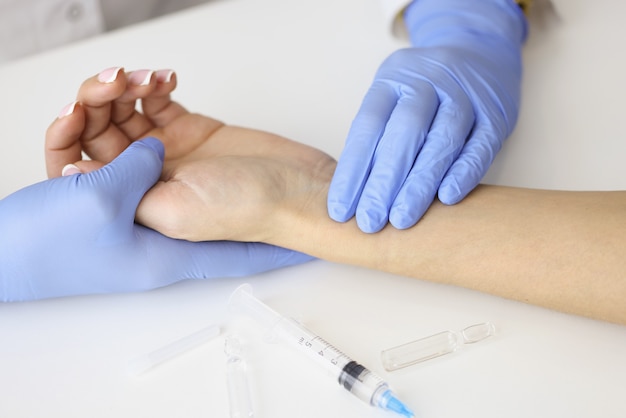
(354, 377)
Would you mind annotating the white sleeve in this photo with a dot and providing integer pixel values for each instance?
(392, 11)
(29, 26)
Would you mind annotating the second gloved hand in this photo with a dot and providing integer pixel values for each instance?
(435, 115)
(76, 235)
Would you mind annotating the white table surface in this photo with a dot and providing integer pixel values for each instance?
(300, 69)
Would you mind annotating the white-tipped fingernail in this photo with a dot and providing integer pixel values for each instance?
(70, 169)
(164, 76)
(109, 75)
(140, 77)
(67, 110)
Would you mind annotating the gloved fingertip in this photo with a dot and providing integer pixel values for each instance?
(450, 192)
(369, 221)
(401, 220)
(137, 168)
(405, 214)
(155, 144)
(338, 212)
(399, 223)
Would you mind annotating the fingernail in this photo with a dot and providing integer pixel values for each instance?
(109, 75)
(140, 77)
(68, 109)
(70, 169)
(164, 76)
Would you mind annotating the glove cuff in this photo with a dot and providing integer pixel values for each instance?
(486, 23)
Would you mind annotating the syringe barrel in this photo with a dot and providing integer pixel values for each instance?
(357, 379)
(242, 300)
(361, 382)
(354, 377)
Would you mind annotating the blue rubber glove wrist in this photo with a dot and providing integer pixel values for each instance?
(435, 116)
(76, 235)
(472, 25)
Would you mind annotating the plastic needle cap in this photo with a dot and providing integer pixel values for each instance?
(147, 361)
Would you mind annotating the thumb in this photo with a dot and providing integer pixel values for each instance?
(132, 173)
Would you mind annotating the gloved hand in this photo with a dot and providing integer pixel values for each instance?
(435, 115)
(76, 235)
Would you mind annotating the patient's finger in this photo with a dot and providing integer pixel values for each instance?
(101, 139)
(63, 139)
(111, 122)
(82, 166)
(124, 113)
(158, 106)
(96, 94)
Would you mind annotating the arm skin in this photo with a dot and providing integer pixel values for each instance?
(560, 250)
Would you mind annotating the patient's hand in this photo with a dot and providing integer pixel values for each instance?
(104, 120)
(219, 182)
(233, 184)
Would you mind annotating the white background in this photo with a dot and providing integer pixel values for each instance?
(300, 69)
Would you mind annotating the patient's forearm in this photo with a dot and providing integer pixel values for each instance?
(561, 250)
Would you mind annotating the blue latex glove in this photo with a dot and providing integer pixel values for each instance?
(435, 115)
(76, 235)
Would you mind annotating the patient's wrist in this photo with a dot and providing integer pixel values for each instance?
(303, 216)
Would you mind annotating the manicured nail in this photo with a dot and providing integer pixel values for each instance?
(67, 110)
(140, 77)
(70, 169)
(109, 75)
(164, 76)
